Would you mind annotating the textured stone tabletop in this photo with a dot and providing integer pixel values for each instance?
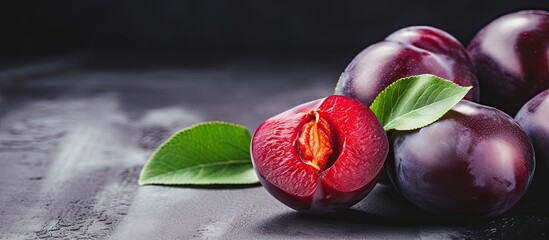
(76, 131)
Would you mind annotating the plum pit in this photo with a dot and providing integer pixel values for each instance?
(315, 145)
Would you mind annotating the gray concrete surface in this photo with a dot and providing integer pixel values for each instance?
(75, 132)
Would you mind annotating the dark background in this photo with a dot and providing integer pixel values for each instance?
(44, 28)
(88, 90)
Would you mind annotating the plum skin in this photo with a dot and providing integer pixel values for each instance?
(410, 51)
(511, 56)
(474, 162)
(533, 117)
(360, 147)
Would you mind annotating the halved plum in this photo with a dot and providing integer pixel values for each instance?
(321, 156)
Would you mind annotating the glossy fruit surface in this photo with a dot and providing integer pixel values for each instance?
(511, 56)
(409, 51)
(475, 161)
(533, 117)
(321, 156)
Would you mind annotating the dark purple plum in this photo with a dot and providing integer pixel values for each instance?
(511, 58)
(474, 162)
(533, 117)
(409, 51)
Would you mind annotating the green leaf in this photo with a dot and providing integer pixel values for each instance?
(203, 154)
(416, 101)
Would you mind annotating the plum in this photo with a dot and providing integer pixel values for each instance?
(474, 162)
(409, 51)
(533, 117)
(511, 56)
(321, 156)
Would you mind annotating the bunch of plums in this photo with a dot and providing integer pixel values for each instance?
(476, 161)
